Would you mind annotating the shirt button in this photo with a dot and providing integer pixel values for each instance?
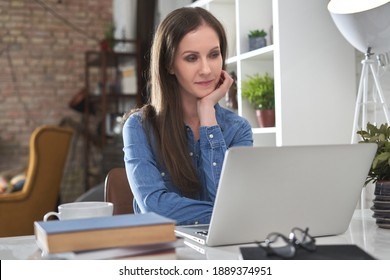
(211, 136)
(191, 154)
(196, 222)
(163, 174)
(214, 164)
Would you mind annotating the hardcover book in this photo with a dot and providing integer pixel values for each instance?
(103, 232)
(165, 250)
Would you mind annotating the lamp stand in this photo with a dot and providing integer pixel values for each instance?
(362, 97)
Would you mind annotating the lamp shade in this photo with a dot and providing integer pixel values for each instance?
(364, 23)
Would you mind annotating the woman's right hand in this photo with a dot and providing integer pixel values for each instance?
(221, 89)
(206, 104)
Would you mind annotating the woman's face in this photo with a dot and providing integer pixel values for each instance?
(198, 62)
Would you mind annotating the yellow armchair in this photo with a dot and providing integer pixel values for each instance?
(48, 151)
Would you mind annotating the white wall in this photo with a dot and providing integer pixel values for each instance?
(317, 74)
(124, 18)
(166, 6)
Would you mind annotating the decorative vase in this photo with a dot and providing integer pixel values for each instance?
(257, 43)
(381, 205)
(266, 118)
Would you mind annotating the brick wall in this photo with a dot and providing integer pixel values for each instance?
(41, 68)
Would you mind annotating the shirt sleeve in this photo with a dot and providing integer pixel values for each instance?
(149, 184)
(212, 153)
(213, 147)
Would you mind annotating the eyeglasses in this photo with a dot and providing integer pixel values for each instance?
(286, 247)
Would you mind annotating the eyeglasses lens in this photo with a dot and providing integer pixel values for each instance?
(301, 238)
(280, 246)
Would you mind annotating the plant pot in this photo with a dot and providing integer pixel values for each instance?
(257, 43)
(381, 205)
(107, 45)
(266, 118)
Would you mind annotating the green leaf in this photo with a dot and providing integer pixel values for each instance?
(380, 167)
(259, 90)
(257, 33)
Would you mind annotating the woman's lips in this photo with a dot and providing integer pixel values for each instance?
(205, 83)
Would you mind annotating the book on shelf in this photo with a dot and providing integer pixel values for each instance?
(103, 232)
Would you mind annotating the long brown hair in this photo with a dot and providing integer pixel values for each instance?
(164, 112)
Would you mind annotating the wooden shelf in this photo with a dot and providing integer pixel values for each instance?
(101, 69)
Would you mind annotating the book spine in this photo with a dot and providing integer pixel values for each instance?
(109, 238)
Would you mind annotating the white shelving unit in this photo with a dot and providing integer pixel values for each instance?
(312, 65)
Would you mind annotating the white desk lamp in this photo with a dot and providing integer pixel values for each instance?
(365, 24)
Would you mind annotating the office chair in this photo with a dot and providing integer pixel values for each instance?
(48, 152)
(117, 190)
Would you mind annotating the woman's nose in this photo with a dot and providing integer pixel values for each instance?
(205, 66)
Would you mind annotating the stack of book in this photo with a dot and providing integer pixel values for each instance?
(106, 237)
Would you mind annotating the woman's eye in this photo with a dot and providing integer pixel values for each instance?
(191, 58)
(215, 54)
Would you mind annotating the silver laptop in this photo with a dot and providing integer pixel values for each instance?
(273, 189)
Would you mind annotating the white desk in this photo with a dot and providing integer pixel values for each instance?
(362, 232)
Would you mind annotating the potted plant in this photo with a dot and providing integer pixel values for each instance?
(380, 170)
(257, 39)
(259, 90)
(107, 44)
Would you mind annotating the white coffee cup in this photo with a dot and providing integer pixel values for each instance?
(80, 210)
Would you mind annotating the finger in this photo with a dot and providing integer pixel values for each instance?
(227, 80)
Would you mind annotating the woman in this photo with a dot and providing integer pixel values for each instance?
(174, 146)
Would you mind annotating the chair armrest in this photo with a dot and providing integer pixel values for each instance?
(15, 196)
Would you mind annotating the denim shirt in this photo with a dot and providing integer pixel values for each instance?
(151, 184)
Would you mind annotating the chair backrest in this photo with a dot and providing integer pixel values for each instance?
(117, 190)
(48, 153)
